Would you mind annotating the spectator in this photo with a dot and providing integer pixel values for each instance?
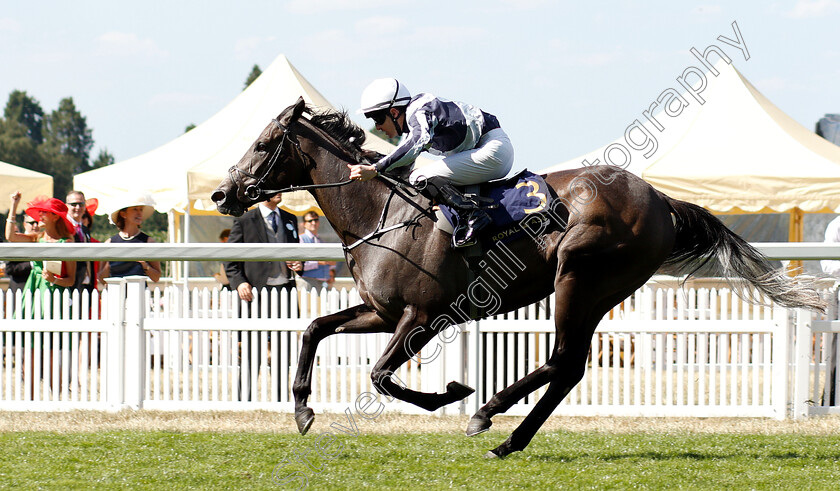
(129, 217)
(316, 274)
(76, 209)
(52, 217)
(221, 277)
(96, 310)
(18, 271)
(263, 224)
(87, 221)
(45, 277)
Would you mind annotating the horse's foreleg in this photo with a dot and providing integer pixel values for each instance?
(359, 320)
(408, 338)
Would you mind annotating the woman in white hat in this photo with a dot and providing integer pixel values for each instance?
(128, 218)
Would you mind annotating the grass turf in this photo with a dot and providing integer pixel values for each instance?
(554, 460)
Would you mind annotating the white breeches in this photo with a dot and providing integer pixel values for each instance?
(491, 159)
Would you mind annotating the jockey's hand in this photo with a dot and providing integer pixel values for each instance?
(362, 172)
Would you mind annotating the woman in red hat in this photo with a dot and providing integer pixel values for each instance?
(45, 279)
(52, 215)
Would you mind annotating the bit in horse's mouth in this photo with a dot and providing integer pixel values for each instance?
(227, 205)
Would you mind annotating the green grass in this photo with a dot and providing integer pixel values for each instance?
(169, 460)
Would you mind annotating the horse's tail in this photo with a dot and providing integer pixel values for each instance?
(701, 236)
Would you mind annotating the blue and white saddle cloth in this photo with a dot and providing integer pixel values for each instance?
(517, 197)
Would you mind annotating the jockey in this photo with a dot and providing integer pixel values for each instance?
(474, 147)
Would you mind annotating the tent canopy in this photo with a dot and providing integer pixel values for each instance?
(182, 174)
(735, 152)
(30, 184)
(219, 142)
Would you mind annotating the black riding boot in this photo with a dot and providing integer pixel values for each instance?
(471, 217)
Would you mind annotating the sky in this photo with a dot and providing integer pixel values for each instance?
(563, 77)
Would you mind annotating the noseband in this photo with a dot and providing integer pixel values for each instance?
(254, 191)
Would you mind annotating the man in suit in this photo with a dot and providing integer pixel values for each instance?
(76, 207)
(265, 223)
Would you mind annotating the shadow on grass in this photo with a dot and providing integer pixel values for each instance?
(668, 456)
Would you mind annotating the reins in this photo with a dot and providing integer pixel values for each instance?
(396, 185)
(380, 229)
(254, 191)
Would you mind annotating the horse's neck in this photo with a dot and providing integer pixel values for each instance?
(354, 210)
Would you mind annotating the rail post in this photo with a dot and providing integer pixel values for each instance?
(116, 343)
(780, 366)
(135, 343)
(802, 364)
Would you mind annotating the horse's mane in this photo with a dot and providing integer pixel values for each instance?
(338, 125)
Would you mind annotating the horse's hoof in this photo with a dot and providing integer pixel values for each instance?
(304, 418)
(478, 425)
(458, 390)
(490, 455)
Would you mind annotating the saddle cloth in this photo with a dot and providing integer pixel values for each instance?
(516, 197)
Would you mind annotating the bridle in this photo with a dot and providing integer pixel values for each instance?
(255, 191)
(396, 185)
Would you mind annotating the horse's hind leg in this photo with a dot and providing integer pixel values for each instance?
(408, 338)
(576, 321)
(570, 367)
(359, 320)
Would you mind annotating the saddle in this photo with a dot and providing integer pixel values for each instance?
(507, 201)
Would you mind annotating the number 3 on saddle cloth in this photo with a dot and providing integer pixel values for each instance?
(519, 196)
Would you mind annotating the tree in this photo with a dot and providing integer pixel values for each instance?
(67, 145)
(255, 72)
(17, 148)
(27, 111)
(103, 159)
(189, 128)
(67, 131)
(58, 144)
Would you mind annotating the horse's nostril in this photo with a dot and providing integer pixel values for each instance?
(218, 196)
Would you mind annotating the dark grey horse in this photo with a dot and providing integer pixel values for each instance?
(607, 234)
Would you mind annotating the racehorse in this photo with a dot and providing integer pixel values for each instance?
(608, 234)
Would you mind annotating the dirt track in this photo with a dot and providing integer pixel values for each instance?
(270, 422)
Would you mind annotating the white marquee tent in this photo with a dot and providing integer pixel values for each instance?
(181, 174)
(737, 152)
(31, 184)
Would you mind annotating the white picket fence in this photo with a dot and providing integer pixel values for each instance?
(38, 370)
(662, 352)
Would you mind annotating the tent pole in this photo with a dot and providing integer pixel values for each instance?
(176, 265)
(171, 218)
(795, 234)
(186, 240)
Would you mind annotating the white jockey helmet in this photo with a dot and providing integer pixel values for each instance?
(384, 93)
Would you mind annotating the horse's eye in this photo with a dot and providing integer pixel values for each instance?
(260, 147)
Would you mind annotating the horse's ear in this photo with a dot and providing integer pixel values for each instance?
(300, 106)
(296, 110)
